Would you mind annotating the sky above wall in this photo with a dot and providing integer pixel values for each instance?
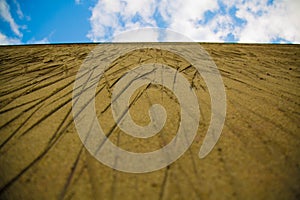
(76, 21)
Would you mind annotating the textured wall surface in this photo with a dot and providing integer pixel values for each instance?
(256, 157)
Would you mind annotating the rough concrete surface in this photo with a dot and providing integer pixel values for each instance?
(256, 157)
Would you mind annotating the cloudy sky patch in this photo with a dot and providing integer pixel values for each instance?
(253, 21)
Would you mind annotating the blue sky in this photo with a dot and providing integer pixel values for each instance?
(65, 21)
(53, 21)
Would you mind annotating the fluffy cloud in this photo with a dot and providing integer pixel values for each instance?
(45, 40)
(279, 21)
(205, 20)
(138, 35)
(111, 17)
(4, 40)
(19, 11)
(6, 15)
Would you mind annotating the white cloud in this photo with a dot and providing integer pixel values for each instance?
(6, 15)
(185, 12)
(4, 40)
(110, 17)
(77, 1)
(19, 11)
(138, 35)
(184, 17)
(242, 21)
(45, 40)
(280, 20)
